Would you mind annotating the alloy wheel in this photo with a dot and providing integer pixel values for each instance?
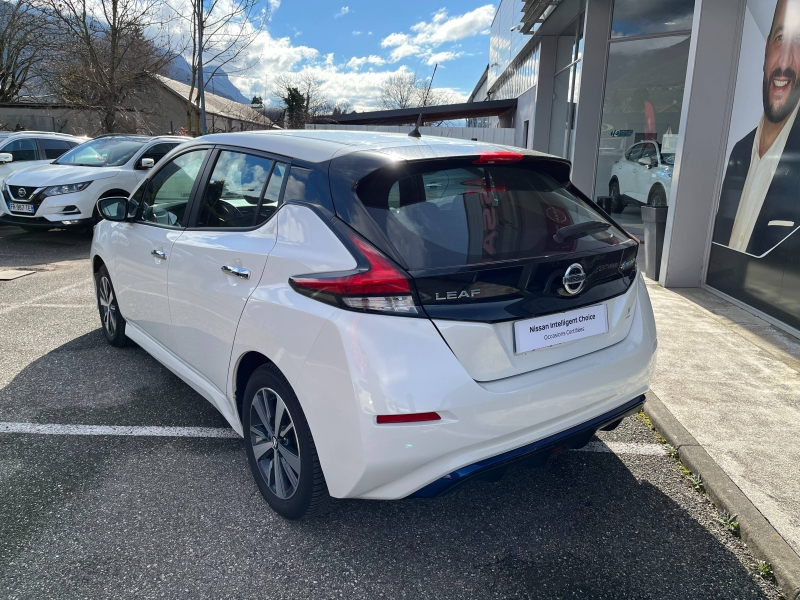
(108, 306)
(273, 438)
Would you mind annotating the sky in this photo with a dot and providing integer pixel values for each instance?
(353, 46)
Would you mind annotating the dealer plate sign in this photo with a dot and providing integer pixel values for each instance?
(543, 332)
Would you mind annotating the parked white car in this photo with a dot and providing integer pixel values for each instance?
(64, 192)
(379, 316)
(23, 149)
(642, 176)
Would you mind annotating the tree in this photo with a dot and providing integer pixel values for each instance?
(19, 47)
(227, 29)
(314, 104)
(102, 54)
(342, 107)
(295, 104)
(407, 90)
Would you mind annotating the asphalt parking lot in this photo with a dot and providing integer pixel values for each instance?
(151, 516)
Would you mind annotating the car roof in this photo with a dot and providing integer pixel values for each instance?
(319, 145)
(37, 134)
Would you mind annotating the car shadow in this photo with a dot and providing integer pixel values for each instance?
(19, 248)
(584, 526)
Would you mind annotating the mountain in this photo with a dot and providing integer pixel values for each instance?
(180, 70)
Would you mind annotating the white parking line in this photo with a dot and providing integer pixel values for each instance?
(218, 432)
(35, 300)
(54, 429)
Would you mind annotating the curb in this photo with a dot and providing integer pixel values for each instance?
(759, 535)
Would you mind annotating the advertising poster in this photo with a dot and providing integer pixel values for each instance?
(755, 251)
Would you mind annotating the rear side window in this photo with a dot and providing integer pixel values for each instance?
(54, 148)
(158, 151)
(469, 215)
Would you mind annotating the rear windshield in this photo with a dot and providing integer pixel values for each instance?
(468, 214)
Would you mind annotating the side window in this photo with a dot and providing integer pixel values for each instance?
(22, 150)
(634, 153)
(168, 193)
(271, 197)
(54, 148)
(158, 151)
(308, 185)
(232, 194)
(649, 150)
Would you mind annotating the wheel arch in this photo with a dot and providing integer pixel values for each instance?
(245, 367)
(660, 186)
(97, 262)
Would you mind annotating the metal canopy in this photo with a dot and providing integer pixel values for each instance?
(532, 11)
(446, 112)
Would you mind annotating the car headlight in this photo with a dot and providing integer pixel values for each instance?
(70, 188)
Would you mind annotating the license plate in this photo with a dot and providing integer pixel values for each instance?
(543, 332)
(26, 208)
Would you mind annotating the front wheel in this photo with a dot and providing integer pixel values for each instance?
(658, 197)
(617, 203)
(113, 323)
(280, 449)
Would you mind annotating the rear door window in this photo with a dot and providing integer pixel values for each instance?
(22, 150)
(470, 215)
(54, 148)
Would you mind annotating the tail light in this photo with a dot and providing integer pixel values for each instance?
(498, 158)
(376, 285)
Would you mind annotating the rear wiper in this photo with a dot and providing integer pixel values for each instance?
(579, 229)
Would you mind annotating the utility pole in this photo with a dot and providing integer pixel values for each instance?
(202, 82)
(430, 84)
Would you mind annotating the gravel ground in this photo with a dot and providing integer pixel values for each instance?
(120, 517)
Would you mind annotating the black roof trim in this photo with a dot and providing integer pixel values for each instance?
(445, 112)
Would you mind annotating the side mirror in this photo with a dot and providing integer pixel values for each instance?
(648, 161)
(6, 157)
(113, 209)
(147, 163)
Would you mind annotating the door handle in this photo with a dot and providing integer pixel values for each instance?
(159, 254)
(236, 272)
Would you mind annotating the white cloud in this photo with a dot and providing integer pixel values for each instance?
(427, 36)
(357, 63)
(440, 57)
(357, 32)
(369, 33)
(274, 5)
(342, 12)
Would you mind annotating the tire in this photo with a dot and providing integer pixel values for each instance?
(617, 203)
(291, 494)
(657, 197)
(110, 317)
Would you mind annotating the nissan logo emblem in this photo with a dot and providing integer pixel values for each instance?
(574, 279)
(22, 192)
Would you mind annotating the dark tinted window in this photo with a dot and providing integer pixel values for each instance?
(24, 149)
(644, 17)
(308, 185)
(54, 148)
(232, 194)
(158, 151)
(168, 193)
(468, 214)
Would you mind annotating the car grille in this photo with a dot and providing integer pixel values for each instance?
(22, 193)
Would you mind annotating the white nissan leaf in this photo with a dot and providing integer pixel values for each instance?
(379, 316)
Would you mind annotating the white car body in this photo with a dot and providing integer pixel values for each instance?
(33, 148)
(75, 209)
(347, 367)
(639, 182)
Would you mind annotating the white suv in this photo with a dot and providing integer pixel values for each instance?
(64, 192)
(642, 176)
(379, 316)
(23, 149)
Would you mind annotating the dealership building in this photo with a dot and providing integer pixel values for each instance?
(658, 102)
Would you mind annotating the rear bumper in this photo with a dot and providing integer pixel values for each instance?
(537, 452)
(366, 365)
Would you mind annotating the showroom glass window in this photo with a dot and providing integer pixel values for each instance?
(647, 57)
(566, 88)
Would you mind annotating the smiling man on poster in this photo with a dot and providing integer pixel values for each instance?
(760, 199)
